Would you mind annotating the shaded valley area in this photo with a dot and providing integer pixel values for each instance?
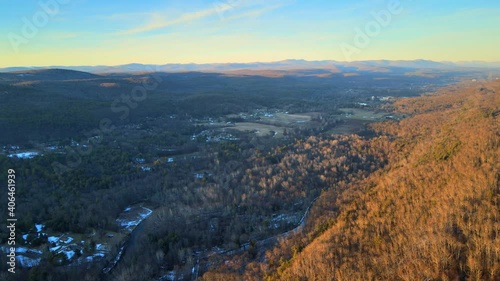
(360, 172)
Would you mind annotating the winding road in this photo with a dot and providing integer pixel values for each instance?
(260, 244)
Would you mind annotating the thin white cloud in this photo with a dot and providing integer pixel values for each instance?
(123, 16)
(158, 20)
(254, 13)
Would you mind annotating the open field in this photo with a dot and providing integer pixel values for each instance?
(273, 123)
(259, 129)
(284, 119)
(350, 126)
(355, 120)
(362, 114)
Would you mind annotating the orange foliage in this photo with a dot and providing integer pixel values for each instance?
(432, 213)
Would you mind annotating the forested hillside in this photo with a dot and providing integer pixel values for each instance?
(431, 213)
(223, 161)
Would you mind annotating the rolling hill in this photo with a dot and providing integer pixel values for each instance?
(372, 65)
(432, 213)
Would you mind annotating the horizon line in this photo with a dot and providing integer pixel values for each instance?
(250, 62)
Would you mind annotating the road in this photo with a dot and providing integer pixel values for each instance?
(262, 244)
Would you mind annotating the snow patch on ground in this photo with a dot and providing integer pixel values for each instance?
(55, 249)
(28, 262)
(62, 246)
(101, 247)
(21, 250)
(53, 239)
(147, 213)
(23, 155)
(25, 261)
(39, 227)
(94, 256)
(69, 254)
(130, 223)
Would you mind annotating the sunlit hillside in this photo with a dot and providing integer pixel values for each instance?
(432, 213)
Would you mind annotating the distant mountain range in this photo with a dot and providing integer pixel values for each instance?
(286, 65)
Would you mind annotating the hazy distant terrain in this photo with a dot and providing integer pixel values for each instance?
(54, 103)
(286, 65)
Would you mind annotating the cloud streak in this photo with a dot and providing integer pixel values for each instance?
(254, 13)
(159, 21)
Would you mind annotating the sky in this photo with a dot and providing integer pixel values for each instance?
(91, 32)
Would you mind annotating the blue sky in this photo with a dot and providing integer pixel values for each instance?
(89, 32)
